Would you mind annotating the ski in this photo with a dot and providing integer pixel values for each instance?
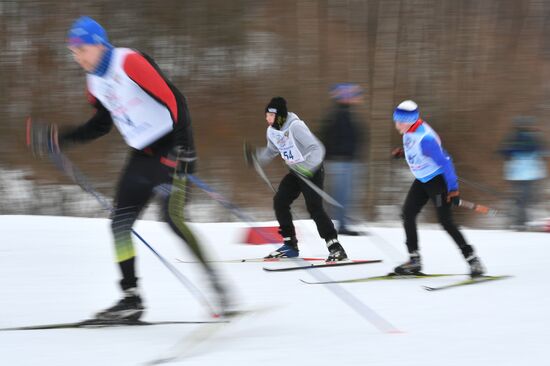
(469, 281)
(99, 323)
(323, 265)
(389, 276)
(255, 260)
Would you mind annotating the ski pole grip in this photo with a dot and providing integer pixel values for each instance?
(467, 204)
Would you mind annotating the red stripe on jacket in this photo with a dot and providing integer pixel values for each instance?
(145, 75)
(91, 98)
(415, 126)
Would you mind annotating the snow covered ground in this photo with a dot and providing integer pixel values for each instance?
(59, 269)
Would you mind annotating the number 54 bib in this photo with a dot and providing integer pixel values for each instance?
(284, 141)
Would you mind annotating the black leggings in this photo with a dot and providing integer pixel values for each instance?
(290, 188)
(436, 191)
(142, 177)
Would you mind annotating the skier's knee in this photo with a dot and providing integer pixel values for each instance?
(280, 204)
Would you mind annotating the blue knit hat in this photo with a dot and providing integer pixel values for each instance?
(85, 30)
(406, 112)
(344, 91)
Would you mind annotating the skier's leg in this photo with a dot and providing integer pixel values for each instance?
(133, 192)
(325, 226)
(288, 191)
(173, 209)
(438, 195)
(416, 199)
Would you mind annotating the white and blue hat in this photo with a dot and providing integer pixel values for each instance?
(406, 112)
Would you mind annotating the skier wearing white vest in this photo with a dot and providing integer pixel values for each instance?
(128, 90)
(289, 137)
(436, 180)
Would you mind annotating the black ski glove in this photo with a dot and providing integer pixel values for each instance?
(42, 138)
(185, 159)
(398, 153)
(453, 197)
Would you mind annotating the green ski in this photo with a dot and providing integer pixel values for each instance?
(389, 276)
(469, 281)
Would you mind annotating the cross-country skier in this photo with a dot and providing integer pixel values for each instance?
(128, 90)
(289, 136)
(436, 181)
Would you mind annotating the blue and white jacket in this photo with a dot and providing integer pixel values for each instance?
(426, 157)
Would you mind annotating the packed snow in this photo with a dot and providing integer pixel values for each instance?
(61, 269)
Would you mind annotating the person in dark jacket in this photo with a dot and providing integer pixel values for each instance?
(342, 133)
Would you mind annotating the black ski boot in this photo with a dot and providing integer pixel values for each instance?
(129, 308)
(288, 250)
(476, 268)
(337, 252)
(412, 267)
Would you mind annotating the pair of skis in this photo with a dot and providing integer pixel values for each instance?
(390, 276)
(394, 276)
(316, 263)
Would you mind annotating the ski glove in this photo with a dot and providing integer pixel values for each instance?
(42, 138)
(303, 171)
(398, 153)
(248, 154)
(185, 159)
(453, 197)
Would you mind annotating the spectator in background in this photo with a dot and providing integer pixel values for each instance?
(342, 134)
(523, 150)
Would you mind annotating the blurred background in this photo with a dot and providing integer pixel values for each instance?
(472, 66)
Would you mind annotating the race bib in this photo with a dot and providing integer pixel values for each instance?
(284, 141)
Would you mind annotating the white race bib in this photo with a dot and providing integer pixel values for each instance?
(284, 141)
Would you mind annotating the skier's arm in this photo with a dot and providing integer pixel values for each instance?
(313, 150)
(266, 154)
(97, 126)
(431, 148)
(142, 70)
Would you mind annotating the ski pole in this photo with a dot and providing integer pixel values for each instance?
(478, 208)
(482, 188)
(238, 212)
(324, 195)
(261, 173)
(63, 163)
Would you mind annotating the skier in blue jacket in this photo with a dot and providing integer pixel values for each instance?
(435, 180)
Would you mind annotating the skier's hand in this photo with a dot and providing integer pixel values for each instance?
(303, 171)
(398, 153)
(248, 154)
(42, 138)
(185, 159)
(453, 197)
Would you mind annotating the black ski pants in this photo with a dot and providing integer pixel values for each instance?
(290, 188)
(142, 178)
(419, 194)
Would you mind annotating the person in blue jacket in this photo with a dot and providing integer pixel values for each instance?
(524, 152)
(435, 180)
